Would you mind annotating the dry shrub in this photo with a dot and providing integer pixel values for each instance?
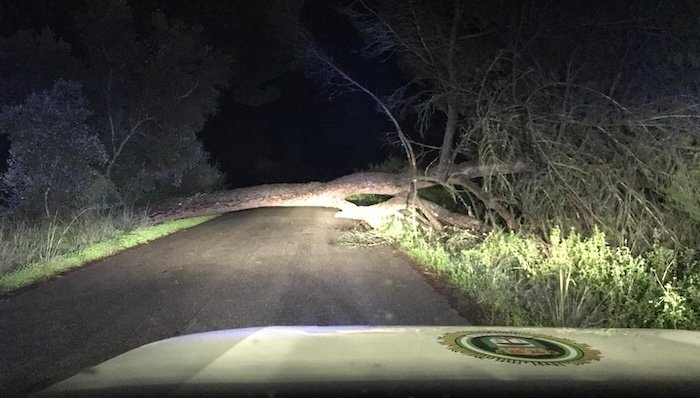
(629, 169)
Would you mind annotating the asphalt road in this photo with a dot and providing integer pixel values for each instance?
(260, 267)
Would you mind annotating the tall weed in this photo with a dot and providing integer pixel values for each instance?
(24, 241)
(565, 280)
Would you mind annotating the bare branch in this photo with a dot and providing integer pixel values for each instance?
(334, 69)
(187, 94)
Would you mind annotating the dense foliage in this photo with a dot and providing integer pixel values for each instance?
(152, 95)
(601, 101)
(55, 157)
(570, 280)
(124, 129)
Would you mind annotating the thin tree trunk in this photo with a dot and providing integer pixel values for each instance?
(448, 141)
(452, 112)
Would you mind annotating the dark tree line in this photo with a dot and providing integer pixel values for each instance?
(111, 116)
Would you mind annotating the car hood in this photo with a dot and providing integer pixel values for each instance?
(405, 359)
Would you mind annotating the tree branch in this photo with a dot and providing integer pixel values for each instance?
(410, 155)
(488, 200)
(133, 131)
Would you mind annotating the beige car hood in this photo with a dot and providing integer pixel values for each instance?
(380, 359)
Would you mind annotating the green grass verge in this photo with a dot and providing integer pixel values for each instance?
(41, 270)
(565, 280)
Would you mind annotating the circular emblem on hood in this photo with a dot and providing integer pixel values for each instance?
(516, 347)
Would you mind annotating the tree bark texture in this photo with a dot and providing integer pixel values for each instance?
(334, 193)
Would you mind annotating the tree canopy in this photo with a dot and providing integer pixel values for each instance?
(55, 156)
(145, 94)
(152, 92)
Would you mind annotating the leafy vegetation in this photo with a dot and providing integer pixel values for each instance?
(32, 252)
(54, 158)
(610, 134)
(115, 122)
(392, 164)
(602, 221)
(151, 93)
(565, 280)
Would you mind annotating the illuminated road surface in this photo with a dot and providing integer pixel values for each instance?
(253, 268)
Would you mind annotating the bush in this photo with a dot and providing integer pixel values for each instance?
(567, 280)
(53, 153)
(191, 173)
(626, 167)
(684, 190)
(392, 164)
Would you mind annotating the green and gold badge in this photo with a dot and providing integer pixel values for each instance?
(516, 347)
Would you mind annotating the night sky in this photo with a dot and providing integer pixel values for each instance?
(304, 135)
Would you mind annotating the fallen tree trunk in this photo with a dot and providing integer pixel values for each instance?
(329, 194)
(333, 194)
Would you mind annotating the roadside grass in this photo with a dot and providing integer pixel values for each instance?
(567, 280)
(34, 252)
